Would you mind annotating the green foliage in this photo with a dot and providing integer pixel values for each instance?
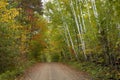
(55, 57)
(12, 74)
(86, 30)
(16, 38)
(76, 30)
(8, 48)
(96, 71)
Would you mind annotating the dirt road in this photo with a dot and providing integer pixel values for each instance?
(54, 71)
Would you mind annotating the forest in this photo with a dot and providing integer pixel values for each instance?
(84, 34)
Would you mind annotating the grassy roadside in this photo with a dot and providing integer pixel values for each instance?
(96, 71)
(17, 72)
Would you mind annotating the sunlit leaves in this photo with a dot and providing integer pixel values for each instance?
(3, 4)
(7, 15)
(92, 22)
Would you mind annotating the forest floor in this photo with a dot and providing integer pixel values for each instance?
(54, 71)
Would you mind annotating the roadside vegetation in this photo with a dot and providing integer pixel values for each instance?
(82, 33)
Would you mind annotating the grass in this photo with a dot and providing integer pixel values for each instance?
(96, 71)
(11, 75)
(18, 71)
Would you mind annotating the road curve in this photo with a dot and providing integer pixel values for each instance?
(54, 71)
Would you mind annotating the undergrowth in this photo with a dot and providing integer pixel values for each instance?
(16, 73)
(97, 72)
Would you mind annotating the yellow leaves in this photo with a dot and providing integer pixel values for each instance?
(14, 11)
(16, 27)
(41, 24)
(3, 4)
(7, 15)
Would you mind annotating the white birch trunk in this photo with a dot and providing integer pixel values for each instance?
(68, 32)
(79, 28)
